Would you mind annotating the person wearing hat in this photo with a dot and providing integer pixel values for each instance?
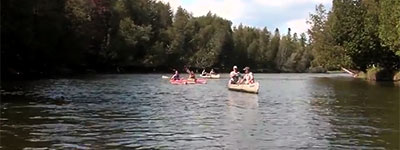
(235, 74)
(248, 77)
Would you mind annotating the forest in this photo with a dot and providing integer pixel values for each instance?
(42, 38)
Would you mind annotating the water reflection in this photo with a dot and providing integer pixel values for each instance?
(242, 100)
(242, 120)
(360, 115)
(292, 111)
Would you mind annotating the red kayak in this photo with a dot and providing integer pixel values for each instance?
(184, 81)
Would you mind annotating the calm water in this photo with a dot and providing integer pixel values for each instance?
(292, 111)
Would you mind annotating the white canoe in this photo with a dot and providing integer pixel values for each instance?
(213, 76)
(250, 88)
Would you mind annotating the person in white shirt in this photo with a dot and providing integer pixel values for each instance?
(204, 73)
(235, 74)
(212, 71)
(248, 77)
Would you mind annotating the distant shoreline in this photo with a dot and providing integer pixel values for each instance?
(62, 72)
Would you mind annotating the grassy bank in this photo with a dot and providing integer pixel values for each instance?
(380, 74)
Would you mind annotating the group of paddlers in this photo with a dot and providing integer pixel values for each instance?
(238, 78)
(204, 73)
(235, 76)
(192, 76)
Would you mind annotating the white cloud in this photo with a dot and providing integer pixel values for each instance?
(287, 3)
(298, 25)
(173, 3)
(257, 13)
(229, 9)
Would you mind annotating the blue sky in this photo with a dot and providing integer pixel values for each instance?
(258, 13)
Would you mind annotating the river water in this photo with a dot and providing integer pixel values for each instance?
(143, 111)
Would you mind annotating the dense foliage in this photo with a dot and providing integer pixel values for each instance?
(59, 36)
(102, 35)
(357, 34)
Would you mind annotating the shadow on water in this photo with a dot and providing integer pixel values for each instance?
(360, 114)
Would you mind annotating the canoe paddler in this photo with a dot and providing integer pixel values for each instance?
(235, 74)
(248, 77)
(212, 71)
(175, 76)
(192, 76)
(204, 73)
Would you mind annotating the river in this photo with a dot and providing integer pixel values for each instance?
(143, 111)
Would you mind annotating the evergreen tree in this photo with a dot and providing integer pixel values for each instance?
(389, 27)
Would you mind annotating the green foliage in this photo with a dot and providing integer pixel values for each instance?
(327, 53)
(380, 74)
(349, 36)
(133, 34)
(103, 35)
(372, 72)
(389, 27)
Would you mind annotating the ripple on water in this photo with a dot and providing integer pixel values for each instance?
(292, 111)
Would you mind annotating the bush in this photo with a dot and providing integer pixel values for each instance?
(317, 70)
(379, 74)
(396, 76)
(361, 74)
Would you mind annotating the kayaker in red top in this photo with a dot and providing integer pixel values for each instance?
(175, 76)
(248, 77)
(235, 74)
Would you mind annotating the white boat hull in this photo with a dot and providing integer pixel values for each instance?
(216, 76)
(249, 88)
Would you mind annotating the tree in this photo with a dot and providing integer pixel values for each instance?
(389, 27)
(286, 48)
(274, 46)
(326, 52)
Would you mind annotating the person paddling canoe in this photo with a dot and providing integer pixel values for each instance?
(212, 71)
(175, 76)
(192, 76)
(248, 77)
(235, 74)
(204, 73)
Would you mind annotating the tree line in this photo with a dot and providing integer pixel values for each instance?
(56, 36)
(358, 34)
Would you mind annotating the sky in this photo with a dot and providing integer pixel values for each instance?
(272, 14)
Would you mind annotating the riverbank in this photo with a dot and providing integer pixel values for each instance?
(376, 74)
(59, 72)
(379, 74)
(66, 71)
